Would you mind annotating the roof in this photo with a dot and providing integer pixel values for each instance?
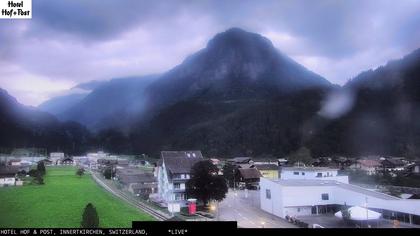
(267, 167)
(67, 159)
(143, 186)
(139, 178)
(369, 163)
(130, 171)
(180, 162)
(296, 168)
(249, 173)
(8, 170)
(245, 166)
(241, 159)
(393, 161)
(333, 183)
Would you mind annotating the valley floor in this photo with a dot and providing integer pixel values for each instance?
(60, 203)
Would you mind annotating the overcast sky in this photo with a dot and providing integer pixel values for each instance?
(72, 41)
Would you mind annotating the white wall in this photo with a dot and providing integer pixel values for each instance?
(288, 198)
(8, 181)
(309, 174)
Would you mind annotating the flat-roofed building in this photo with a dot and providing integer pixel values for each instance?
(301, 197)
(312, 173)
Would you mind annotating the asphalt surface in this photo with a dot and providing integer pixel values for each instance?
(244, 207)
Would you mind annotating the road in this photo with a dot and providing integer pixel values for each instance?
(244, 207)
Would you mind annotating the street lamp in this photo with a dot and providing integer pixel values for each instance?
(263, 223)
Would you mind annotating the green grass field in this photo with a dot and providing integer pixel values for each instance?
(60, 203)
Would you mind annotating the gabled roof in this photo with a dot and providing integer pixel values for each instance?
(241, 159)
(139, 178)
(250, 173)
(67, 159)
(396, 162)
(180, 162)
(369, 163)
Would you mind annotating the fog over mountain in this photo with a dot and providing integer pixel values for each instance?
(23, 126)
(242, 96)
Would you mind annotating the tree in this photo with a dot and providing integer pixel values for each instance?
(229, 173)
(108, 173)
(32, 172)
(303, 154)
(39, 178)
(205, 184)
(80, 172)
(90, 218)
(41, 167)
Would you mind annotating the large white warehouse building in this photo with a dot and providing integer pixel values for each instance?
(306, 196)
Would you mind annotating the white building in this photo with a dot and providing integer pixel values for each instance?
(55, 157)
(173, 173)
(298, 197)
(8, 175)
(312, 173)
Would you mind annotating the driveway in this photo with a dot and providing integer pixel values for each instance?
(243, 206)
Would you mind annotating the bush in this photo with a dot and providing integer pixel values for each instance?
(90, 218)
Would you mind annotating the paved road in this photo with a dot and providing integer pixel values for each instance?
(244, 207)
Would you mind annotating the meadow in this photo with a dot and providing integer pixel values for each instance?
(60, 203)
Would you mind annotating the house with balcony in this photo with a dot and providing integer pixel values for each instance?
(173, 172)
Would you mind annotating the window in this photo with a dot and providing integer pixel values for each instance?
(268, 193)
(296, 173)
(179, 197)
(319, 175)
(303, 173)
(298, 210)
(325, 196)
(177, 186)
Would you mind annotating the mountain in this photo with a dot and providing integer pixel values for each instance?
(237, 96)
(384, 115)
(235, 65)
(24, 126)
(113, 104)
(60, 104)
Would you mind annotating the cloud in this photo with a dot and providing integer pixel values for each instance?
(72, 41)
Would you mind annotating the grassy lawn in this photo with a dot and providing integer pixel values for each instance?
(60, 203)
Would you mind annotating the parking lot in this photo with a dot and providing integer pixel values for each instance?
(243, 206)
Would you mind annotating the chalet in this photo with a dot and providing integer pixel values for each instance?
(14, 162)
(249, 178)
(413, 169)
(8, 175)
(173, 173)
(370, 166)
(66, 161)
(270, 171)
(392, 164)
(341, 162)
(55, 157)
(142, 185)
